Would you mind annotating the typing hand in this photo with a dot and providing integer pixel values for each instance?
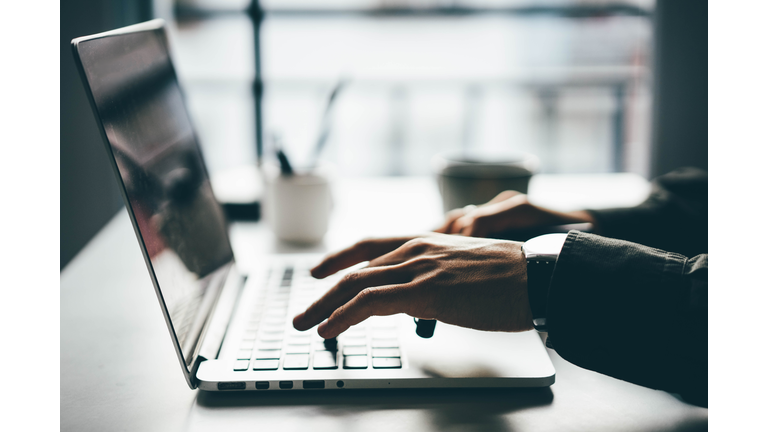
(508, 210)
(470, 282)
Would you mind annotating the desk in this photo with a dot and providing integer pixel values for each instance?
(119, 370)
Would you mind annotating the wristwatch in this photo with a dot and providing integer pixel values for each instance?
(541, 254)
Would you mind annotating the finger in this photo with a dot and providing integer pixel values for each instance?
(464, 223)
(475, 229)
(383, 300)
(409, 250)
(347, 288)
(391, 259)
(450, 218)
(490, 219)
(364, 250)
(503, 196)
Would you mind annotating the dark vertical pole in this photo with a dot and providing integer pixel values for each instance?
(619, 118)
(257, 16)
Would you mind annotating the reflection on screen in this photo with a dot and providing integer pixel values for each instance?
(182, 226)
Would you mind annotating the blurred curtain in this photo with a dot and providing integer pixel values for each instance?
(680, 86)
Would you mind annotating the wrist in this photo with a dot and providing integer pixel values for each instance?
(517, 311)
(541, 255)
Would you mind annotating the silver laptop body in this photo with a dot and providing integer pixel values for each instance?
(232, 328)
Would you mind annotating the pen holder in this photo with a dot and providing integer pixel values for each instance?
(298, 206)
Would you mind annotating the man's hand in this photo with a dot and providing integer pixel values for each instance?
(470, 282)
(508, 210)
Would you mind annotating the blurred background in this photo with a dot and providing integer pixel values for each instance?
(590, 86)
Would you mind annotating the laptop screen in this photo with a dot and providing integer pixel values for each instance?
(179, 222)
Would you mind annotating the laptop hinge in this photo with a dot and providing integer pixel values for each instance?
(216, 328)
(193, 371)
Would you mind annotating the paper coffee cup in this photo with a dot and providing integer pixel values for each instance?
(476, 177)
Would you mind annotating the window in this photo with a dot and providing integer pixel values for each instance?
(566, 80)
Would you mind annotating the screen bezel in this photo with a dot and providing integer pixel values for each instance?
(156, 26)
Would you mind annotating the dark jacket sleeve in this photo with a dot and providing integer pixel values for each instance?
(632, 312)
(673, 218)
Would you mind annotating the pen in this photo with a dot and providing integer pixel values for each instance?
(325, 124)
(285, 166)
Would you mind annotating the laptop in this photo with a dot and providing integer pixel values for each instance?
(230, 322)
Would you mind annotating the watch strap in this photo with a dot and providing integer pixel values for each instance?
(539, 278)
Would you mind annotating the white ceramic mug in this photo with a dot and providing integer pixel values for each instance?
(298, 207)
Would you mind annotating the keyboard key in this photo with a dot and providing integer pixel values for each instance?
(241, 365)
(267, 355)
(273, 329)
(277, 296)
(355, 332)
(271, 337)
(299, 339)
(325, 360)
(385, 352)
(249, 335)
(244, 355)
(384, 343)
(276, 313)
(355, 350)
(320, 346)
(265, 364)
(274, 320)
(387, 363)
(297, 349)
(296, 361)
(270, 345)
(246, 345)
(378, 334)
(356, 362)
(354, 341)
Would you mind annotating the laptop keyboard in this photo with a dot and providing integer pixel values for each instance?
(271, 343)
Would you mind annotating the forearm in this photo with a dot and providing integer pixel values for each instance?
(632, 312)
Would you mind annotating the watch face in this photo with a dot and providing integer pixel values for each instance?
(545, 247)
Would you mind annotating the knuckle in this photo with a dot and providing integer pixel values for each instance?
(418, 245)
(367, 300)
(506, 194)
(338, 313)
(367, 296)
(349, 280)
(367, 240)
(413, 246)
(522, 200)
(420, 264)
(466, 220)
(455, 214)
(365, 243)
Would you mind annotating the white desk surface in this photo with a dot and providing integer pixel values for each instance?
(119, 370)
